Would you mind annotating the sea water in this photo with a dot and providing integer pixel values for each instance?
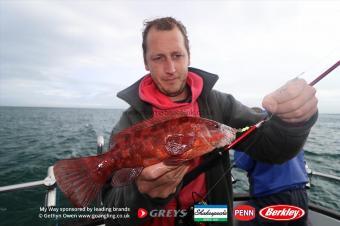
(32, 139)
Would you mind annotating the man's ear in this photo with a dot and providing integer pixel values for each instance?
(146, 67)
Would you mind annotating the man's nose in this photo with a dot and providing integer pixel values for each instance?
(170, 66)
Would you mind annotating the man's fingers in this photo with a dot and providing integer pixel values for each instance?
(289, 91)
(269, 103)
(171, 179)
(155, 171)
(162, 192)
(302, 114)
(298, 103)
(165, 185)
(179, 173)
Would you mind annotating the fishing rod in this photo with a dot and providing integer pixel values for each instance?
(212, 159)
(329, 70)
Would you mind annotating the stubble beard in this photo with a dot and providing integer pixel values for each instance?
(176, 93)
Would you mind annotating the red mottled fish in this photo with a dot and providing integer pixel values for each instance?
(172, 141)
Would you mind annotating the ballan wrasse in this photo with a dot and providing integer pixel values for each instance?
(172, 141)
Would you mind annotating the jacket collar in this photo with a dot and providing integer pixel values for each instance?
(130, 94)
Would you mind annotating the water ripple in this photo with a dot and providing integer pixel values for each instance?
(32, 139)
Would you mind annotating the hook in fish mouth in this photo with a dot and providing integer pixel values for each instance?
(229, 135)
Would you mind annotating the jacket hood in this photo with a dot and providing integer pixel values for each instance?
(131, 94)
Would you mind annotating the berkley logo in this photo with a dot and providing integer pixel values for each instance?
(244, 212)
(282, 212)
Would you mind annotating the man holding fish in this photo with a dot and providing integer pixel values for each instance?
(171, 88)
(175, 122)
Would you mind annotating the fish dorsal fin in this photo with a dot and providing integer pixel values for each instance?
(145, 124)
(177, 144)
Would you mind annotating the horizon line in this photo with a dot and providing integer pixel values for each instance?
(104, 108)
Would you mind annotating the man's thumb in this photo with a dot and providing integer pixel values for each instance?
(270, 104)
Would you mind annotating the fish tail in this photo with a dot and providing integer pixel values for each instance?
(81, 179)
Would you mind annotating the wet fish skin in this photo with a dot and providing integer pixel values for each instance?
(157, 140)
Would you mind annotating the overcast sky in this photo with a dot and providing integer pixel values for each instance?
(81, 53)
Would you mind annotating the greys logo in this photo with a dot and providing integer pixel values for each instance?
(163, 213)
(168, 213)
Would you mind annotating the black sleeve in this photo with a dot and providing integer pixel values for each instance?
(275, 141)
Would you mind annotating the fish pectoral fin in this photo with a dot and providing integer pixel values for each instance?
(177, 144)
(174, 161)
(125, 176)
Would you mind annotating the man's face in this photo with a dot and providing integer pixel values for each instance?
(167, 60)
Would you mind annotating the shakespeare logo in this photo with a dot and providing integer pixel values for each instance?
(204, 213)
(282, 212)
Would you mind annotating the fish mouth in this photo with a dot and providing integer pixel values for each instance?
(229, 136)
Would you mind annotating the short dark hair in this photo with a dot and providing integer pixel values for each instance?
(164, 24)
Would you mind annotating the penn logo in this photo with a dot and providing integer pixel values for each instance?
(282, 212)
(142, 213)
(244, 212)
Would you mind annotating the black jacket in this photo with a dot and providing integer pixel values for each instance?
(275, 142)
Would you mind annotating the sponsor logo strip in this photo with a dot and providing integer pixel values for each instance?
(142, 213)
(207, 213)
(244, 212)
(282, 212)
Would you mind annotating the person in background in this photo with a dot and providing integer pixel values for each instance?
(172, 87)
(274, 184)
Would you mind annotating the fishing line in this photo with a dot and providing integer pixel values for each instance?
(318, 63)
(245, 132)
(248, 130)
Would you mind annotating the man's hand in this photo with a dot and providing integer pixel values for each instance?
(294, 102)
(160, 180)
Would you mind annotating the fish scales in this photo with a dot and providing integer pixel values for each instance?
(172, 141)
